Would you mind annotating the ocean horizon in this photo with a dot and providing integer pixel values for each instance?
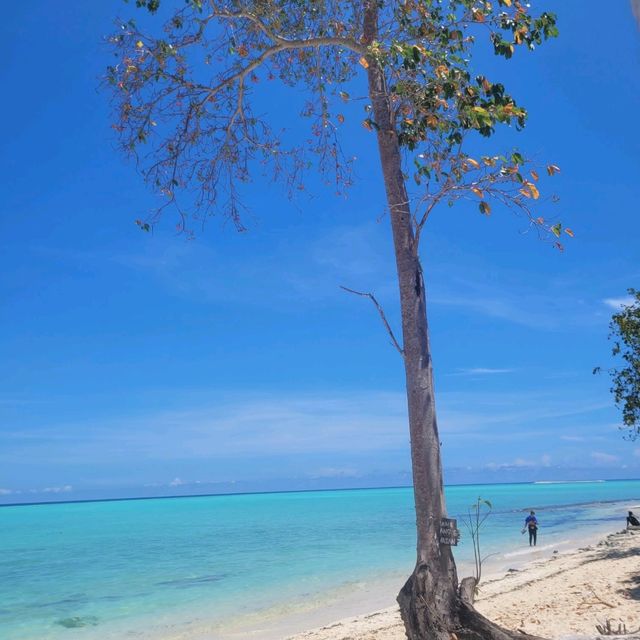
(182, 565)
(172, 496)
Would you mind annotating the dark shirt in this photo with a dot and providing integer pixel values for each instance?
(633, 521)
(531, 522)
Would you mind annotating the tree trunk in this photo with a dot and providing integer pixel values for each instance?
(432, 607)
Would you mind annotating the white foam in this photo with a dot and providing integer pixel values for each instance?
(529, 550)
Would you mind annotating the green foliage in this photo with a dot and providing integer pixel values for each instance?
(151, 5)
(625, 333)
(477, 514)
(184, 97)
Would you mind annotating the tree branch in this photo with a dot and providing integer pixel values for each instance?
(371, 297)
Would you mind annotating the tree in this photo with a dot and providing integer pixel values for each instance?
(184, 102)
(625, 333)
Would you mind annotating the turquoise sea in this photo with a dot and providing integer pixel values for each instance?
(205, 566)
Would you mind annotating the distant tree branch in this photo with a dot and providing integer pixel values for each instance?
(371, 297)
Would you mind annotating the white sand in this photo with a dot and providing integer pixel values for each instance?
(560, 596)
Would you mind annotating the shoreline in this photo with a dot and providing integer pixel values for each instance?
(561, 595)
(365, 601)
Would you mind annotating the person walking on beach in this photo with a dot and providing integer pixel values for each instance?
(531, 524)
(632, 521)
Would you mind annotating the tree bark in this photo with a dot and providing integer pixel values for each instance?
(431, 605)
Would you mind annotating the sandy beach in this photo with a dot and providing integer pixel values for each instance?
(561, 595)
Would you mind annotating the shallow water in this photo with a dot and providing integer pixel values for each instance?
(106, 569)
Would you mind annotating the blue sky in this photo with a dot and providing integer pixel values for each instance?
(136, 364)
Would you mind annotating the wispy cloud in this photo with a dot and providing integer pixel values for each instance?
(520, 463)
(480, 371)
(235, 425)
(67, 488)
(618, 303)
(570, 438)
(601, 457)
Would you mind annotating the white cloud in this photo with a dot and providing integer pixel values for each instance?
(618, 303)
(604, 458)
(636, 452)
(5, 492)
(520, 463)
(573, 438)
(64, 489)
(333, 472)
(480, 371)
(177, 482)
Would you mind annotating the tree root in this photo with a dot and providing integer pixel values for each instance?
(474, 626)
(447, 615)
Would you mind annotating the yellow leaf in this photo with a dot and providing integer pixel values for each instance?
(552, 169)
(364, 62)
(473, 162)
(525, 193)
(477, 191)
(534, 174)
(367, 125)
(442, 71)
(340, 118)
(569, 232)
(139, 44)
(534, 190)
(507, 2)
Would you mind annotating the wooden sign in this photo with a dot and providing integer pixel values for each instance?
(449, 533)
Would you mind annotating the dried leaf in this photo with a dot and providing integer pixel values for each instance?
(485, 208)
(364, 62)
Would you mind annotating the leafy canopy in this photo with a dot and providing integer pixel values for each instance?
(625, 333)
(184, 98)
